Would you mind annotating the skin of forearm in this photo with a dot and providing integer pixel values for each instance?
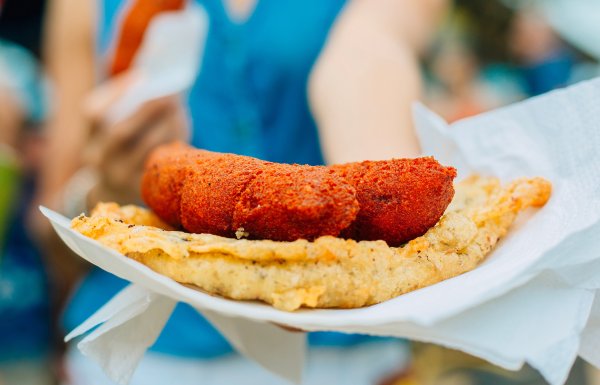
(69, 55)
(367, 77)
(69, 59)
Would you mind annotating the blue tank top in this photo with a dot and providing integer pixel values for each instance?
(249, 98)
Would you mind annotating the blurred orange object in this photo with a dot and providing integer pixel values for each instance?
(132, 29)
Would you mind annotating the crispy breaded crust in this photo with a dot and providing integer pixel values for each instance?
(328, 272)
(202, 192)
(399, 199)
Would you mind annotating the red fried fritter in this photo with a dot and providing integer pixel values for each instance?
(210, 194)
(165, 171)
(400, 199)
(206, 192)
(287, 202)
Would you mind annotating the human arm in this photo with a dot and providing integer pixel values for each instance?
(118, 149)
(69, 57)
(365, 80)
(80, 138)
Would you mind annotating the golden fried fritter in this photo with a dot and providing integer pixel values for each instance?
(329, 272)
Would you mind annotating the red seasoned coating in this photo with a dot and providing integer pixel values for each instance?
(400, 199)
(165, 171)
(210, 194)
(205, 192)
(288, 202)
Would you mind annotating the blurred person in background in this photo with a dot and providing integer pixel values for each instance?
(308, 82)
(546, 60)
(489, 55)
(467, 70)
(25, 321)
(460, 87)
(458, 91)
(495, 52)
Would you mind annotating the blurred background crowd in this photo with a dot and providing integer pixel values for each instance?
(485, 54)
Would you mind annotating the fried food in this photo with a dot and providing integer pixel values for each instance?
(328, 272)
(209, 196)
(399, 199)
(163, 179)
(134, 22)
(288, 202)
(226, 194)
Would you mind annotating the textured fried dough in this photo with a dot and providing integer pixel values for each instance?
(328, 272)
